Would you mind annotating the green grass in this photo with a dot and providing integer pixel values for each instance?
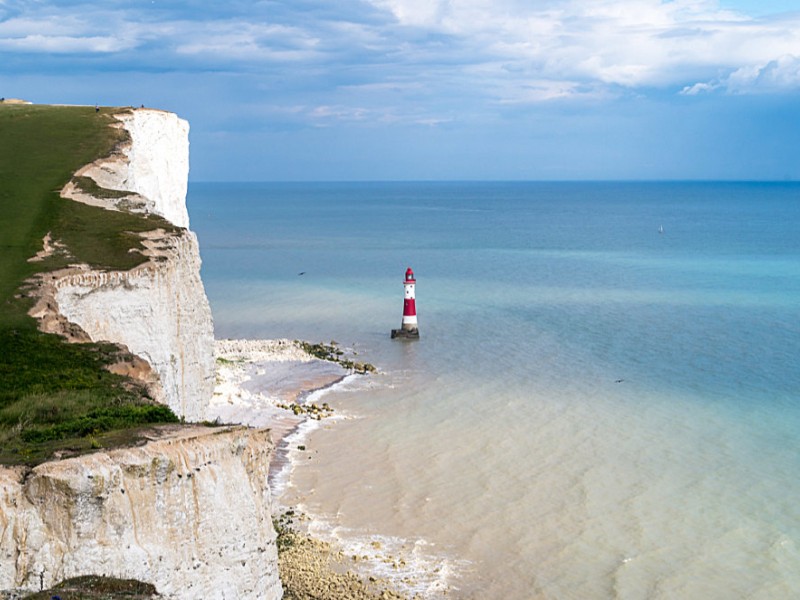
(40, 148)
(89, 186)
(51, 391)
(102, 238)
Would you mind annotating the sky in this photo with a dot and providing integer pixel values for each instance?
(323, 90)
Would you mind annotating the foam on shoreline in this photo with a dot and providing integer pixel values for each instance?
(256, 378)
(287, 452)
(415, 567)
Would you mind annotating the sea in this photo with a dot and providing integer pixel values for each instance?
(604, 401)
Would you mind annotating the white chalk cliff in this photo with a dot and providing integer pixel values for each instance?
(158, 310)
(190, 514)
(152, 165)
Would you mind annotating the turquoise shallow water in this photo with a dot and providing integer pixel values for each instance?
(595, 409)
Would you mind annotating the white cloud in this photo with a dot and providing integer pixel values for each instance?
(774, 76)
(49, 29)
(547, 90)
(406, 51)
(329, 115)
(56, 34)
(234, 40)
(65, 44)
(419, 13)
(780, 74)
(628, 43)
(700, 88)
(383, 86)
(339, 113)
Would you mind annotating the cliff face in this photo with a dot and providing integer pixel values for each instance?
(159, 310)
(152, 165)
(190, 514)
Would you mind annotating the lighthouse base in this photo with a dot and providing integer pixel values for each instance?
(405, 334)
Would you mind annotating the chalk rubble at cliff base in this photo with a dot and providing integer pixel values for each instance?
(310, 568)
(257, 379)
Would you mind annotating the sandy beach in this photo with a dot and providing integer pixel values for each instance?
(272, 383)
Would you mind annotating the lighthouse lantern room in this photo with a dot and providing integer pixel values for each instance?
(408, 329)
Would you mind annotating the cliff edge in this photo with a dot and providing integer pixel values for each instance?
(151, 167)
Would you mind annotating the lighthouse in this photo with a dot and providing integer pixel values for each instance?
(409, 328)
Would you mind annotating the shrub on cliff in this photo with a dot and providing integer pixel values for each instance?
(101, 420)
(92, 587)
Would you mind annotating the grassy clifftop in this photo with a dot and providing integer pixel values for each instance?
(55, 395)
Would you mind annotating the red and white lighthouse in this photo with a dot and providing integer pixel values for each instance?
(409, 327)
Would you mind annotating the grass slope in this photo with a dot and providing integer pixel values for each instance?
(55, 395)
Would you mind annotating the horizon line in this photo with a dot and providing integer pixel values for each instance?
(433, 181)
